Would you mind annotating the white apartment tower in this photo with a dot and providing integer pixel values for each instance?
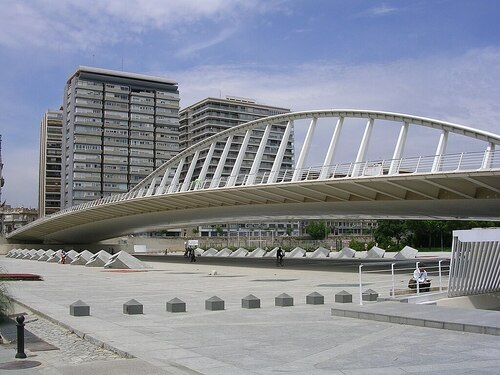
(117, 128)
(211, 116)
(49, 178)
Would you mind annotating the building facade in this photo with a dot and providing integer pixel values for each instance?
(49, 178)
(14, 218)
(117, 128)
(211, 116)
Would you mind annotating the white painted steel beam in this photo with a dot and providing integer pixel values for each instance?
(488, 156)
(363, 148)
(331, 149)
(222, 162)
(440, 150)
(305, 150)
(239, 160)
(206, 164)
(258, 157)
(187, 180)
(398, 151)
(164, 180)
(281, 153)
(175, 181)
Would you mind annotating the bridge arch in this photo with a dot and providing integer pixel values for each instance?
(183, 191)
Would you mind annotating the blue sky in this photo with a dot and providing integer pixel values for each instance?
(434, 58)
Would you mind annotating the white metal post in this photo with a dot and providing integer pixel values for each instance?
(189, 175)
(331, 149)
(222, 162)
(281, 153)
(360, 286)
(258, 157)
(440, 278)
(443, 140)
(175, 180)
(398, 151)
(392, 273)
(239, 160)
(418, 284)
(363, 148)
(305, 150)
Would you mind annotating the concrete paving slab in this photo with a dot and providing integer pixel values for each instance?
(243, 341)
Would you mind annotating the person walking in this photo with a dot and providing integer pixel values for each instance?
(279, 257)
(192, 255)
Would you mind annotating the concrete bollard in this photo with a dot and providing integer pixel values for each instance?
(343, 297)
(369, 295)
(176, 305)
(283, 300)
(315, 299)
(214, 303)
(133, 307)
(250, 302)
(79, 308)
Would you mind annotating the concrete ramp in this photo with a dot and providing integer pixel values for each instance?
(406, 253)
(21, 254)
(346, 253)
(375, 253)
(272, 253)
(257, 253)
(224, 253)
(46, 256)
(98, 259)
(320, 252)
(198, 251)
(123, 260)
(13, 253)
(209, 253)
(70, 256)
(29, 254)
(298, 252)
(82, 258)
(37, 255)
(56, 257)
(241, 252)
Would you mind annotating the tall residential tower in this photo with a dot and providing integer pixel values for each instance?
(49, 178)
(117, 128)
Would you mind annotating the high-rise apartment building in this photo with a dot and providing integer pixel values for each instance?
(117, 128)
(211, 116)
(49, 178)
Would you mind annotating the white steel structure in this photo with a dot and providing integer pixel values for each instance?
(464, 185)
(475, 262)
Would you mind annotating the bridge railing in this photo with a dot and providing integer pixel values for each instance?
(458, 162)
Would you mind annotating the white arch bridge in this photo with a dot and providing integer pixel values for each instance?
(238, 176)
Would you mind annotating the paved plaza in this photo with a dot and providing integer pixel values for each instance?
(300, 339)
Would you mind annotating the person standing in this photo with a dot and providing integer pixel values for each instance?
(192, 255)
(279, 257)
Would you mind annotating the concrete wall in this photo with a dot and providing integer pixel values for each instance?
(490, 301)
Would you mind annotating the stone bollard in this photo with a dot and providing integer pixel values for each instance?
(250, 302)
(343, 297)
(315, 299)
(176, 305)
(20, 337)
(79, 308)
(369, 295)
(214, 303)
(133, 307)
(283, 300)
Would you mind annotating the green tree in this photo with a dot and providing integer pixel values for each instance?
(5, 301)
(219, 231)
(317, 230)
(389, 230)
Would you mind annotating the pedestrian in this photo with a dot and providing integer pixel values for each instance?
(63, 257)
(192, 256)
(279, 257)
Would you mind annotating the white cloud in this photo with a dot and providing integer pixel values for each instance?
(83, 25)
(379, 11)
(461, 89)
